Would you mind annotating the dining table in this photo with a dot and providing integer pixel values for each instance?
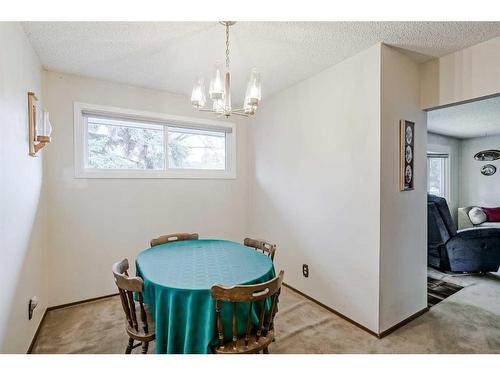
(177, 279)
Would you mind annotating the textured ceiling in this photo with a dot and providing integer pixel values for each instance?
(475, 119)
(169, 55)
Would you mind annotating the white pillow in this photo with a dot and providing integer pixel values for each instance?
(477, 216)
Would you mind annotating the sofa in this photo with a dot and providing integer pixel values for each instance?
(469, 250)
(464, 220)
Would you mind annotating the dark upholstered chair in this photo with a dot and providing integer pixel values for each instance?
(469, 250)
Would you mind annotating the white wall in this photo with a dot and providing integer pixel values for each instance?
(467, 74)
(22, 228)
(452, 147)
(476, 189)
(403, 233)
(95, 222)
(316, 190)
(327, 187)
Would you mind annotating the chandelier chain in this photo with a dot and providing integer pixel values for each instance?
(227, 46)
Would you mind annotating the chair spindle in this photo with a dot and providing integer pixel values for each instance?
(249, 324)
(132, 310)
(235, 325)
(220, 328)
(261, 320)
(144, 317)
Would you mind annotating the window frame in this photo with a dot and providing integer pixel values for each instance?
(445, 157)
(81, 147)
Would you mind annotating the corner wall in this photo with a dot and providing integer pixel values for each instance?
(22, 211)
(316, 186)
(403, 215)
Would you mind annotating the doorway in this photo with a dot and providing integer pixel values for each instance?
(463, 185)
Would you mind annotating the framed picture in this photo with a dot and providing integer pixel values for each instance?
(406, 153)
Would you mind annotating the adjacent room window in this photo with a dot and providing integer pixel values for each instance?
(110, 143)
(438, 174)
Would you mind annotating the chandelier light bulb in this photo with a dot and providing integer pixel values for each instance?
(218, 106)
(198, 98)
(253, 93)
(216, 90)
(250, 109)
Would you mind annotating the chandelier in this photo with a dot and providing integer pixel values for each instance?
(219, 90)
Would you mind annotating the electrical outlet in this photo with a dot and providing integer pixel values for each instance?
(305, 270)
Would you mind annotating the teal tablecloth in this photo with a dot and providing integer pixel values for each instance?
(177, 281)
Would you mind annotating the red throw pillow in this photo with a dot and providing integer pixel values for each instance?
(493, 214)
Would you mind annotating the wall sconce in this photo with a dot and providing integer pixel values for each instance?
(38, 124)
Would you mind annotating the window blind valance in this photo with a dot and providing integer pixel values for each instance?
(177, 123)
(437, 155)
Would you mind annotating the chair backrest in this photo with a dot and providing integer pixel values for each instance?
(173, 237)
(444, 212)
(267, 248)
(126, 287)
(252, 294)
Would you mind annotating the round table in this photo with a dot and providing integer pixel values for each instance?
(177, 280)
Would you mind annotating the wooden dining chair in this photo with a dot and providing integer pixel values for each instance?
(144, 332)
(172, 238)
(257, 337)
(265, 247)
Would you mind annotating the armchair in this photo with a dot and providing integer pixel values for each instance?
(469, 250)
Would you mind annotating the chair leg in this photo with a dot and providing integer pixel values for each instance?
(145, 346)
(265, 350)
(129, 346)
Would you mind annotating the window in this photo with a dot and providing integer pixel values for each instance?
(438, 174)
(115, 144)
(196, 149)
(118, 143)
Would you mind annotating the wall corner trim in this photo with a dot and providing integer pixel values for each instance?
(35, 336)
(340, 315)
(377, 335)
(402, 323)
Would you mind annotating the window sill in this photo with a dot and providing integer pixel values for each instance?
(181, 174)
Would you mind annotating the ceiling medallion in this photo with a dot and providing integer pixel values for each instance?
(220, 89)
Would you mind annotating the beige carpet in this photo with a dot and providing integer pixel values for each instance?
(466, 322)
